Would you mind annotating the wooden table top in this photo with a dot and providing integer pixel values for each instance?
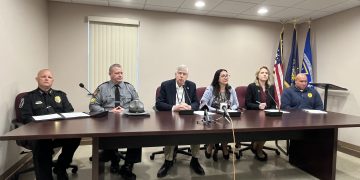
(163, 123)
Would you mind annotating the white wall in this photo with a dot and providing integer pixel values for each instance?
(337, 54)
(24, 50)
(167, 40)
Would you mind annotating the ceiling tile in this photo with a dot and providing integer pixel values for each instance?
(342, 6)
(250, 1)
(258, 18)
(129, 1)
(284, 3)
(291, 13)
(233, 7)
(222, 14)
(192, 11)
(165, 3)
(92, 2)
(160, 8)
(209, 4)
(127, 5)
(272, 10)
(62, 0)
(317, 4)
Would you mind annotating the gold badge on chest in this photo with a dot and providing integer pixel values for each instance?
(58, 99)
(310, 95)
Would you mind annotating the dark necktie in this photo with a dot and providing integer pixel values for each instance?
(117, 96)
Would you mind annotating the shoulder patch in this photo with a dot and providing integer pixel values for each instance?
(21, 104)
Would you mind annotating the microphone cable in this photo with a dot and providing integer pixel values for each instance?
(228, 118)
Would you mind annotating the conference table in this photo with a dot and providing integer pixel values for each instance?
(313, 137)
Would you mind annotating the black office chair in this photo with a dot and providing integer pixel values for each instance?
(17, 122)
(177, 150)
(241, 93)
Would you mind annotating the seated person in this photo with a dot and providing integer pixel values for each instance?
(219, 92)
(115, 96)
(259, 96)
(41, 101)
(301, 96)
(176, 95)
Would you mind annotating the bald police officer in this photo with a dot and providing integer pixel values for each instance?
(115, 96)
(41, 101)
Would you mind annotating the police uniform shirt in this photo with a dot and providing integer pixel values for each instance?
(104, 96)
(38, 102)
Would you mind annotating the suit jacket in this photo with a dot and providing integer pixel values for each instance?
(253, 95)
(167, 98)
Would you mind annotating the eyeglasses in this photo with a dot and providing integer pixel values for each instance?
(225, 75)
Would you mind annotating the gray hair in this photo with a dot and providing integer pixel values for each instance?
(182, 68)
(113, 66)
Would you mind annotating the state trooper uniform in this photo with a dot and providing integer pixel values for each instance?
(38, 102)
(104, 100)
(104, 96)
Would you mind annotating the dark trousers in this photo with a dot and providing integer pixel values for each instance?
(42, 151)
(133, 155)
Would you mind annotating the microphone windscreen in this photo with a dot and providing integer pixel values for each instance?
(81, 85)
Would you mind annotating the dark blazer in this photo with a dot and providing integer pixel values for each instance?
(253, 95)
(167, 98)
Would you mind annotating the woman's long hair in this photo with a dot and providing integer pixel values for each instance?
(215, 84)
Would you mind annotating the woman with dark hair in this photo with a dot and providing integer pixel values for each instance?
(219, 92)
(259, 96)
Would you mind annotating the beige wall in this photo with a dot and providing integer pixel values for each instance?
(24, 50)
(337, 53)
(205, 44)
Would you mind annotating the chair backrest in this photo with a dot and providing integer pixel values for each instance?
(241, 93)
(200, 92)
(19, 102)
(157, 93)
(18, 121)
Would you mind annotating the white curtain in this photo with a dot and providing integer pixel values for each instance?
(112, 41)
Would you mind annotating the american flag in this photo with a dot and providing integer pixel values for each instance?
(278, 71)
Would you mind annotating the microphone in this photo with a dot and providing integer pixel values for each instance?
(278, 107)
(82, 86)
(186, 93)
(273, 113)
(223, 106)
(205, 108)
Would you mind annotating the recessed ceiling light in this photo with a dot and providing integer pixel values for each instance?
(200, 4)
(262, 11)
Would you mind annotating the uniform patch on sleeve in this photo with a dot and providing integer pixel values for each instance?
(21, 104)
(92, 100)
(58, 99)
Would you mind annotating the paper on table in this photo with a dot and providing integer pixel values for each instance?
(46, 117)
(313, 111)
(275, 110)
(74, 115)
(202, 113)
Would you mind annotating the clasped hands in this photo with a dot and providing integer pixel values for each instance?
(182, 106)
(118, 109)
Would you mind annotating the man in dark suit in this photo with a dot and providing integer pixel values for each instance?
(176, 95)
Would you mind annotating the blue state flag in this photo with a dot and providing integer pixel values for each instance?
(306, 67)
(293, 64)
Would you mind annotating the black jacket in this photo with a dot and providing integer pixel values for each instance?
(37, 103)
(253, 95)
(167, 98)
